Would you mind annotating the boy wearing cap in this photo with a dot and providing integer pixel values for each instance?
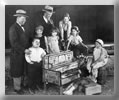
(100, 58)
(19, 43)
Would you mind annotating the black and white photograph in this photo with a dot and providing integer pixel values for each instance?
(59, 50)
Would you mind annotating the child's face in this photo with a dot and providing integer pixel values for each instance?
(54, 33)
(66, 19)
(36, 43)
(97, 45)
(39, 32)
(74, 32)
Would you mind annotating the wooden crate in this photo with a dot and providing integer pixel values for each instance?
(62, 73)
(92, 88)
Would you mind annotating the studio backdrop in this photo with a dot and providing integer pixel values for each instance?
(94, 21)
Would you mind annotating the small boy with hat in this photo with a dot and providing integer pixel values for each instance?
(100, 58)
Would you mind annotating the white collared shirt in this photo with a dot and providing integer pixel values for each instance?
(75, 40)
(35, 55)
(21, 26)
(45, 19)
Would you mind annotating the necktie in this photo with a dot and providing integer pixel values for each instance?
(23, 28)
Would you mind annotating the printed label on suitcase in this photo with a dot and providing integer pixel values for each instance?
(55, 59)
(61, 58)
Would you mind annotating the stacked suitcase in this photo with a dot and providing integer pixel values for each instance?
(59, 68)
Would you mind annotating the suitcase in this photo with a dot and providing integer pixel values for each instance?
(53, 59)
(92, 88)
(62, 73)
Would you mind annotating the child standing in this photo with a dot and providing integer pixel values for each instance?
(100, 58)
(34, 60)
(53, 41)
(39, 30)
(76, 43)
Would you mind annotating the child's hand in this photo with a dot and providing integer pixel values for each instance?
(31, 62)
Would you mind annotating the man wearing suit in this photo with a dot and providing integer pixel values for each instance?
(46, 21)
(19, 43)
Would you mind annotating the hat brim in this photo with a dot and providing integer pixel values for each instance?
(20, 15)
(47, 11)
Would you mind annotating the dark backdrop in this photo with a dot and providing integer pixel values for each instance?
(94, 21)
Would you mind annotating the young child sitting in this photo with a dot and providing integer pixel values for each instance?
(76, 43)
(34, 68)
(53, 41)
(100, 58)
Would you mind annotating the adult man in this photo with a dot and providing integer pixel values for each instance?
(19, 43)
(46, 21)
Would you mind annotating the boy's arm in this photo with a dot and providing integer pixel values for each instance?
(101, 58)
(43, 54)
(28, 60)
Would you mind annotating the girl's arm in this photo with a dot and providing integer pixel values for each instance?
(46, 44)
(81, 42)
(69, 29)
(61, 30)
(68, 44)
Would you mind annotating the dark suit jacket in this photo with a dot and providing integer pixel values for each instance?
(40, 21)
(19, 43)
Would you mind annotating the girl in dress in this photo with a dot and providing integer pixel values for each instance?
(53, 43)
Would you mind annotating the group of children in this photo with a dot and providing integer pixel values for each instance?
(75, 43)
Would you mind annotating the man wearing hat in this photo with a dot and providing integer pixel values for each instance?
(19, 43)
(45, 20)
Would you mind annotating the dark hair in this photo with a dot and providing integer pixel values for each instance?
(75, 28)
(35, 38)
(67, 15)
(39, 27)
(54, 29)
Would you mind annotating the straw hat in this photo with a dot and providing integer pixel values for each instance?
(100, 42)
(48, 8)
(20, 12)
